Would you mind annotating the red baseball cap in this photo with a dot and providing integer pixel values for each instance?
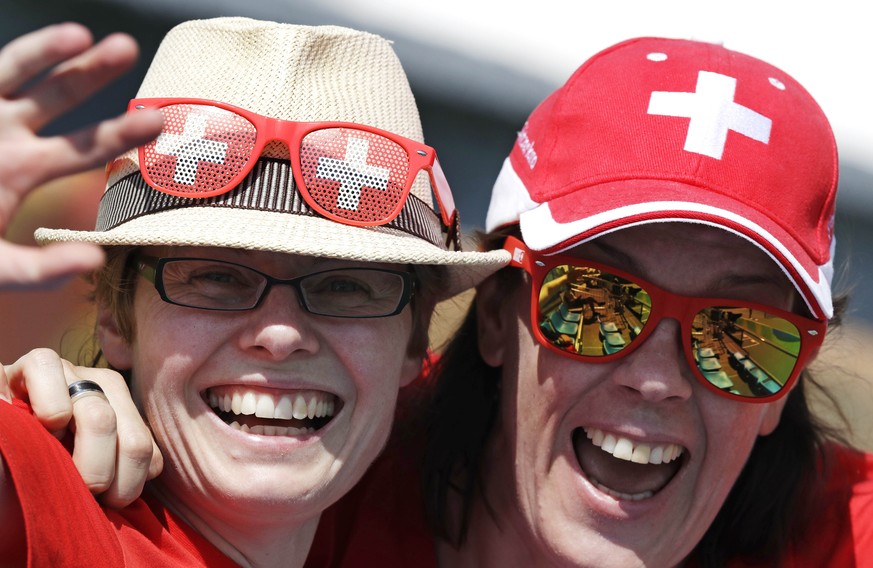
(657, 130)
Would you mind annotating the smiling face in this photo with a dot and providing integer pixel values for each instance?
(272, 413)
(561, 471)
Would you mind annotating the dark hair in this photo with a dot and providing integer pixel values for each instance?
(772, 501)
(113, 286)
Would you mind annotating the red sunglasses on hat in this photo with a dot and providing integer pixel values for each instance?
(595, 313)
(350, 173)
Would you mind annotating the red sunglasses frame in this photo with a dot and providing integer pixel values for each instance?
(664, 305)
(267, 129)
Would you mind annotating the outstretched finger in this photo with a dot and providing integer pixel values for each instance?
(76, 80)
(94, 146)
(31, 268)
(25, 57)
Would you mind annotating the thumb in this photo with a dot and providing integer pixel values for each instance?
(29, 268)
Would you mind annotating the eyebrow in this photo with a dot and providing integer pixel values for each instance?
(727, 281)
(619, 255)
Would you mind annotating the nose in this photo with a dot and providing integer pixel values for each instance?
(279, 327)
(657, 369)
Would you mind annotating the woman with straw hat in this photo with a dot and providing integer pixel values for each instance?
(273, 260)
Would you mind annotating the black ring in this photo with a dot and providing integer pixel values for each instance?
(82, 387)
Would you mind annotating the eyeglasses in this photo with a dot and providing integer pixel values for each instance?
(595, 313)
(209, 284)
(350, 173)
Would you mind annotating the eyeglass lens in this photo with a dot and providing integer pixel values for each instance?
(590, 313)
(217, 285)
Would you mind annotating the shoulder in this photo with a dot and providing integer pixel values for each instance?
(841, 532)
(848, 472)
(66, 526)
(63, 522)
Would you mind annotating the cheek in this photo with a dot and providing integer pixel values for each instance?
(733, 428)
(168, 344)
(374, 351)
(539, 390)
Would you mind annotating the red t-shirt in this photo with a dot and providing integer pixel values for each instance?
(381, 522)
(842, 533)
(65, 525)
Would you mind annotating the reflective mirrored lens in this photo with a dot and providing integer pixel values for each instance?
(743, 351)
(354, 174)
(592, 313)
(201, 149)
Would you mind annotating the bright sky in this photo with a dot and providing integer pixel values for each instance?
(827, 47)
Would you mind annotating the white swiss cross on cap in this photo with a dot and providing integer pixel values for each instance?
(713, 113)
(190, 148)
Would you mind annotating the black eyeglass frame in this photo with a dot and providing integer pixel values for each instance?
(152, 269)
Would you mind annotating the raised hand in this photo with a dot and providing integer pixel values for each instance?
(43, 75)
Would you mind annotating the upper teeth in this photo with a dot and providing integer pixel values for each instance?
(637, 452)
(299, 405)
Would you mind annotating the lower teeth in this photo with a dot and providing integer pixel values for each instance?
(263, 430)
(622, 496)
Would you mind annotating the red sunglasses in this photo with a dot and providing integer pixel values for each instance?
(595, 313)
(350, 173)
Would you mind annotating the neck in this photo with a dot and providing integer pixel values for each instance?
(259, 539)
(491, 540)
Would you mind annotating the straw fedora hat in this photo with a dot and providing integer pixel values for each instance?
(289, 72)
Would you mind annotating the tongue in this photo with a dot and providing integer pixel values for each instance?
(620, 475)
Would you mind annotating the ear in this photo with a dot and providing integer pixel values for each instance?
(410, 369)
(771, 417)
(413, 364)
(492, 320)
(116, 348)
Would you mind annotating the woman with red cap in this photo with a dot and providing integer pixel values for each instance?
(694, 188)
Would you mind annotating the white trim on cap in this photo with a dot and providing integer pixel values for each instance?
(540, 232)
(508, 198)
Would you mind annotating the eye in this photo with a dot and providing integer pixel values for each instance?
(340, 285)
(208, 276)
(217, 275)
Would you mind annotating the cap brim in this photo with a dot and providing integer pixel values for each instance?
(577, 217)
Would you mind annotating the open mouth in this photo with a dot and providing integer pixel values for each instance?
(273, 413)
(623, 468)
